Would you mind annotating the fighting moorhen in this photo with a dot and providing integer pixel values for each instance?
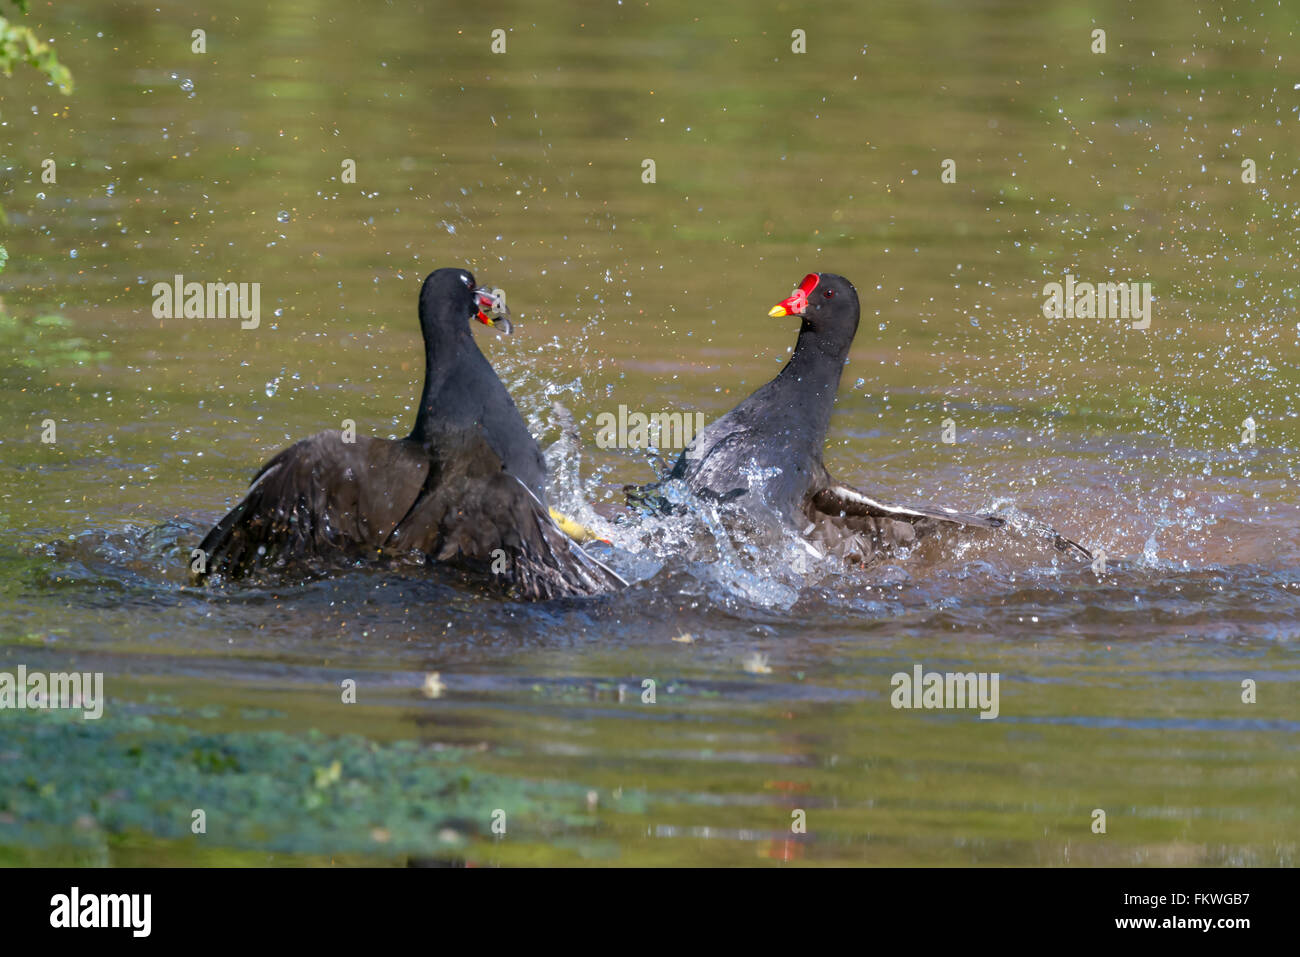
(467, 486)
(774, 440)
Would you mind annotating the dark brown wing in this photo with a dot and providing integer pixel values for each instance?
(326, 500)
(477, 515)
(321, 498)
(844, 500)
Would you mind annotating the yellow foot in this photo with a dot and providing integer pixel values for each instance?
(579, 533)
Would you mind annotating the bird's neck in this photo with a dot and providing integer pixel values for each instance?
(442, 354)
(813, 375)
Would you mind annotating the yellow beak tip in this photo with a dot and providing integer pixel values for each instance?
(777, 311)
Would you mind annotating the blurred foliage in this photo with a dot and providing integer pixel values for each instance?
(44, 342)
(18, 44)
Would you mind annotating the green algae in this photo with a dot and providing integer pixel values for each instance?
(69, 785)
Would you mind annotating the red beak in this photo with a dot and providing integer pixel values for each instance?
(798, 301)
(493, 301)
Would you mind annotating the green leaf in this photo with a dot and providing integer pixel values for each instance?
(19, 44)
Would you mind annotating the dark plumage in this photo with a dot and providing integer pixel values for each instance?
(767, 451)
(467, 486)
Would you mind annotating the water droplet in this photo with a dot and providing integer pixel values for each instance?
(282, 216)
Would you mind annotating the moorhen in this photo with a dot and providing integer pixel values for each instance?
(467, 486)
(767, 451)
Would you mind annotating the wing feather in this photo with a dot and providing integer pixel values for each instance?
(477, 515)
(321, 498)
(844, 500)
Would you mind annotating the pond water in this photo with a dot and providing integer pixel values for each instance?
(1121, 691)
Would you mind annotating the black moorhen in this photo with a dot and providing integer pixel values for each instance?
(774, 439)
(467, 486)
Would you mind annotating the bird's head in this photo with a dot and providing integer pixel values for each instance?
(827, 304)
(454, 292)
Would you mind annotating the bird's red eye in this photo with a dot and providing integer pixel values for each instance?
(829, 294)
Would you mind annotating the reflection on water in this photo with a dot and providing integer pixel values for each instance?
(770, 670)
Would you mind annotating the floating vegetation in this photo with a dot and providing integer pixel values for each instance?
(66, 781)
(45, 342)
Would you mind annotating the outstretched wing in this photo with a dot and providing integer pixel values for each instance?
(477, 515)
(556, 565)
(321, 498)
(324, 499)
(844, 500)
